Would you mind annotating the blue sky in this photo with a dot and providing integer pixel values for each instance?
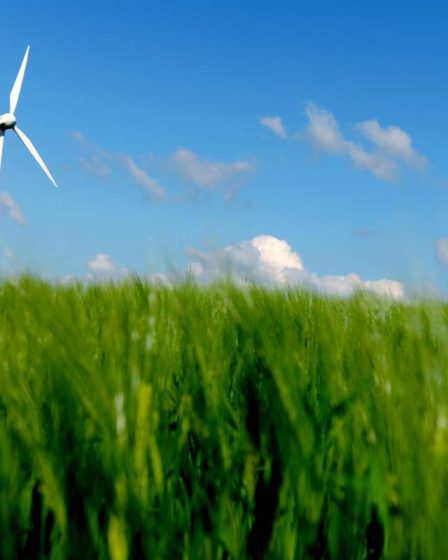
(150, 116)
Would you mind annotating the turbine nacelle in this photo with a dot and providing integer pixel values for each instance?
(7, 120)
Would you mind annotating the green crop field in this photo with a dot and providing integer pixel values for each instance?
(141, 421)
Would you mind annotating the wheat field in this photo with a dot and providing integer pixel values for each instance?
(220, 422)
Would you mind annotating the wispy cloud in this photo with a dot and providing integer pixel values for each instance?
(275, 124)
(10, 206)
(204, 174)
(95, 161)
(97, 166)
(392, 144)
(363, 232)
(208, 174)
(322, 130)
(271, 261)
(98, 162)
(442, 250)
(142, 178)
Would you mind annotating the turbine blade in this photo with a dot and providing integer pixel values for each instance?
(15, 92)
(2, 140)
(33, 152)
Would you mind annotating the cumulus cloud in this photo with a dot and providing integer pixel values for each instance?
(391, 145)
(103, 267)
(275, 125)
(141, 177)
(208, 174)
(265, 259)
(102, 264)
(10, 206)
(270, 261)
(442, 250)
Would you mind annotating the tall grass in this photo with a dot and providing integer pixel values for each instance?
(139, 421)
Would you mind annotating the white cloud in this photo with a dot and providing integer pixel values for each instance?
(141, 177)
(265, 259)
(322, 130)
(377, 163)
(442, 250)
(10, 206)
(276, 256)
(346, 285)
(392, 141)
(392, 144)
(275, 124)
(68, 279)
(102, 264)
(271, 262)
(208, 174)
(103, 267)
(202, 173)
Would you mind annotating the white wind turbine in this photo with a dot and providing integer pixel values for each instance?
(8, 120)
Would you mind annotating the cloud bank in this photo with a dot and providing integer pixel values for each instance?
(270, 261)
(265, 260)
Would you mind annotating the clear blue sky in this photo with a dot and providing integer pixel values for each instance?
(149, 116)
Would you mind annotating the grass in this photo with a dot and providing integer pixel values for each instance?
(139, 421)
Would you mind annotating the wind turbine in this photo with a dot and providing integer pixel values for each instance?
(8, 120)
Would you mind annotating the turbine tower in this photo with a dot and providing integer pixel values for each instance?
(8, 120)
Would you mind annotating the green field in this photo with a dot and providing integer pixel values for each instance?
(141, 421)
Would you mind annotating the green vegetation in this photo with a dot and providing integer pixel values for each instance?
(139, 421)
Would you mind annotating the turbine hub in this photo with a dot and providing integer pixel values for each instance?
(7, 120)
